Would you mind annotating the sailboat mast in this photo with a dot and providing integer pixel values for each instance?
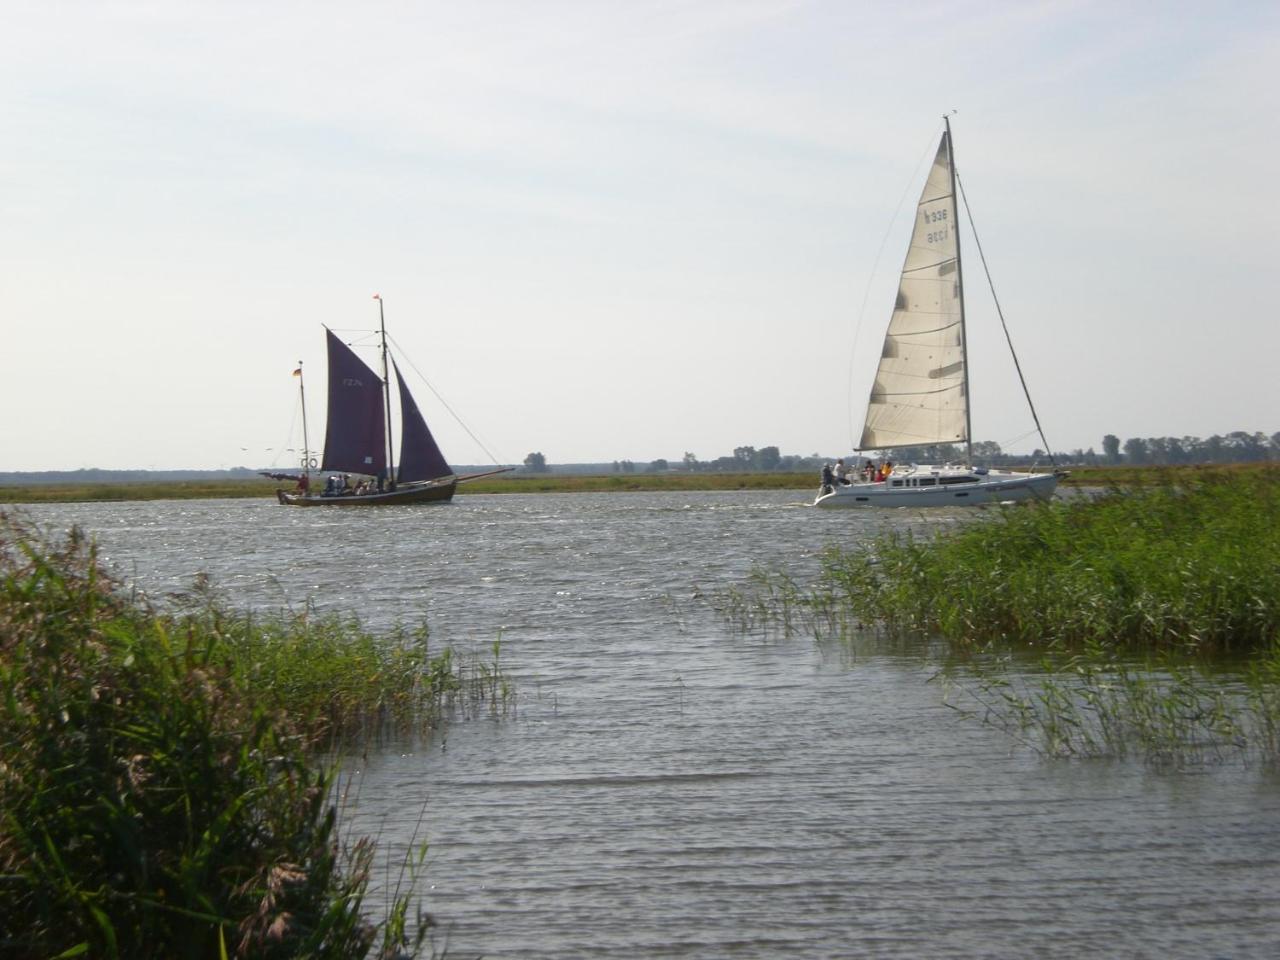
(964, 336)
(386, 391)
(306, 445)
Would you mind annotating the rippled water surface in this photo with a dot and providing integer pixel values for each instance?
(669, 788)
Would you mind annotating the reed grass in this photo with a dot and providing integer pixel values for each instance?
(160, 789)
(1143, 620)
(1097, 704)
(341, 683)
(1191, 566)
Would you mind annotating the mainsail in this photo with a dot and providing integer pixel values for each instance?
(919, 393)
(355, 439)
(420, 456)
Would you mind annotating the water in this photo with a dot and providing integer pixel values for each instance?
(668, 788)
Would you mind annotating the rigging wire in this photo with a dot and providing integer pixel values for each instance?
(443, 402)
(1000, 313)
(285, 447)
(866, 293)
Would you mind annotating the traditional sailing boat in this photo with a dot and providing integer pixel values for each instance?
(358, 439)
(920, 394)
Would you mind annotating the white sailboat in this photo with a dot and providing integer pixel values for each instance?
(920, 395)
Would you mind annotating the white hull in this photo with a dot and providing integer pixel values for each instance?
(942, 487)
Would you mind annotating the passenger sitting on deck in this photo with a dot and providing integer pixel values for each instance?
(885, 469)
(869, 472)
(842, 475)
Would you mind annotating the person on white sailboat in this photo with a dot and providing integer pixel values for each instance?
(828, 479)
(842, 473)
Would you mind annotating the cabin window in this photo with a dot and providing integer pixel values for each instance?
(958, 480)
(897, 483)
(863, 499)
(928, 482)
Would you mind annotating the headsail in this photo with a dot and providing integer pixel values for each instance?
(355, 439)
(919, 392)
(420, 456)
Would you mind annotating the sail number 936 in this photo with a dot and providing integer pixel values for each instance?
(936, 217)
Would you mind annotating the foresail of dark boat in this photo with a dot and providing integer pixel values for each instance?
(420, 456)
(355, 439)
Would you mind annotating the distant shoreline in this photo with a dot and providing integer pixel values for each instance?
(548, 483)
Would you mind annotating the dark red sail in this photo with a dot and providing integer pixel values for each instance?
(420, 456)
(355, 439)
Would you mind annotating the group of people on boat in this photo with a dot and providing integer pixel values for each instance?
(340, 485)
(842, 475)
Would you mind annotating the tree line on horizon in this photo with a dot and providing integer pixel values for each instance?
(1239, 446)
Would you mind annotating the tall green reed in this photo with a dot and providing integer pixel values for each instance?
(160, 791)
(1194, 567)
(1131, 599)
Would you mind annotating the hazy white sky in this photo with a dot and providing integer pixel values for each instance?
(609, 230)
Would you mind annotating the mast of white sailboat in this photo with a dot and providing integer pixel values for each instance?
(386, 391)
(306, 446)
(964, 336)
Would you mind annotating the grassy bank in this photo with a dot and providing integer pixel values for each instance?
(1146, 618)
(160, 792)
(1155, 476)
(142, 490)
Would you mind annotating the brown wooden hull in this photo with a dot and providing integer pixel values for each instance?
(407, 494)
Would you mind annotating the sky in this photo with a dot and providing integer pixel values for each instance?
(623, 230)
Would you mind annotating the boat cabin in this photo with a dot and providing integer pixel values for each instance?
(914, 477)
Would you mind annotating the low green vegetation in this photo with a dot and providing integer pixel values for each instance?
(161, 787)
(1136, 612)
(141, 490)
(1154, 476)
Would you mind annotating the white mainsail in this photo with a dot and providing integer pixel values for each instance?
(919, 392)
